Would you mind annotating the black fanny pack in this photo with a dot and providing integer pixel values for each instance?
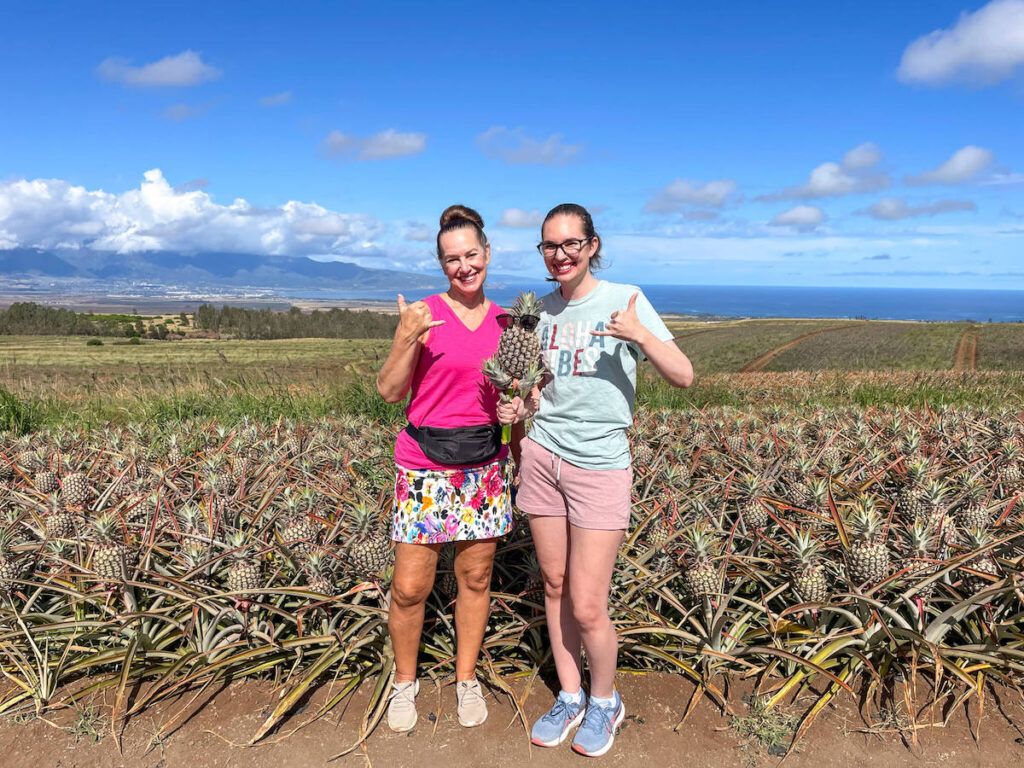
(459, 446)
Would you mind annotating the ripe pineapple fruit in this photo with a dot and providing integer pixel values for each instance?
(11, 565)
(701, 577)
(752, 510)
(298, 530)
(809, 581)
(983, 562)
(46, 482)
(76, 490)
(659, 531)
(518, 347)
(108, 552)
(61, 522)
(245, 573)
(974, 513)
(319, 574)
(868, 558)
(369, 550)
(920, 545)
(910, 499)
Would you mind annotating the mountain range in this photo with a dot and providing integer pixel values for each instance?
(76, 268)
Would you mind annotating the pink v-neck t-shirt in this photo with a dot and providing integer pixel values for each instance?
(449, 388)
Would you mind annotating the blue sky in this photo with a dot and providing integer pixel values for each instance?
(740, 143)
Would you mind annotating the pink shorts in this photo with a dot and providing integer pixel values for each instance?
(549, 486)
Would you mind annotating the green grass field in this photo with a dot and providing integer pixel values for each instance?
(51, 380)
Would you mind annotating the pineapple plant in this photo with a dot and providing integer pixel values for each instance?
(60, 522)
(752, 509)
(910, 499)
(108, 553)
(11, 565)
(658, 531)
(983, 564)
(246, 572)
(868, 557)
(76, 490)
(46, 482)
(809, 580)
(447, 582)
(298, 529)
(974, 513)
(369, 549)
(920, 543)
(701, 577)
(319, 574)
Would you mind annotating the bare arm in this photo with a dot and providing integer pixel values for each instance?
(665, 356)
(395, 376)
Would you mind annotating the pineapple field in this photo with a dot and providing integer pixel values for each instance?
(812, 539)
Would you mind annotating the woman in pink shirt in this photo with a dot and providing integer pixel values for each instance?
(449, 482)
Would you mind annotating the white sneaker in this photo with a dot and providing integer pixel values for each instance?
(472, 707)
(402, 707)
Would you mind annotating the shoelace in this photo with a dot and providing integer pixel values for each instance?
(598, 719)
(559, 713)
(469, 690)
(406, 692)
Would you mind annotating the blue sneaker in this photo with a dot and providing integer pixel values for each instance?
(554, 726)
(596, 735)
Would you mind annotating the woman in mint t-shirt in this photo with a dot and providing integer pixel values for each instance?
(576, 474)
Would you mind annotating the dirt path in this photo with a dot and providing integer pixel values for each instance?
(966, 356)
(758, 363)
(213, 731)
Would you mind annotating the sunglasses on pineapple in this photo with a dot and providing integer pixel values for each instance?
(526, 322)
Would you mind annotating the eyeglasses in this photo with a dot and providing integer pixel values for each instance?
(570, 247)
(526, 322)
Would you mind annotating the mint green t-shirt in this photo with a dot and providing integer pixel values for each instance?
(588, 405)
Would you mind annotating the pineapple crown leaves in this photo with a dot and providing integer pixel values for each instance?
(526, 303)
(805, 547)
(496, 374)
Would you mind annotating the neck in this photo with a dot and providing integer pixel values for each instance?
(579, 287)
(468, 300)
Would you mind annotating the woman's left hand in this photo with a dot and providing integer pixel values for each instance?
(624, 324)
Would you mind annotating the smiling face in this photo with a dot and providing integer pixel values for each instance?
(464, 259)
(566, 268)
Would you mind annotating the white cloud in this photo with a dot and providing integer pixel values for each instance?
(866, 155)
(683, 192)
(179, 112)
(418, 232)
(894, 208)
(514, 147)
(962, 166)
(277, 99)
(802, 218)
(517, 218)
(50, 213)
(381, 146)
(187, 68)
(853, 175)
(982, 48)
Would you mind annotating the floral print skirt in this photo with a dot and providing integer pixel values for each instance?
(434, 506)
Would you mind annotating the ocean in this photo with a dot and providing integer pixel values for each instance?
(784, 301)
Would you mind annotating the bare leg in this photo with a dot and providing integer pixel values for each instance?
(415, 565)
(551, 540)
(592, 556)
(474, 561)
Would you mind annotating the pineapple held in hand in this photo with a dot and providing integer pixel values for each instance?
(519, 345)
(516, 368)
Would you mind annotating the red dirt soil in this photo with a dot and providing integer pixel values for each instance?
(758, 363)
(966, 356)
(654, 703)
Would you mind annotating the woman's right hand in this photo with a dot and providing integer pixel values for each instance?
(415, 319)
